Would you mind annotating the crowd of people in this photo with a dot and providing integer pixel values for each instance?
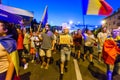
(41, 44)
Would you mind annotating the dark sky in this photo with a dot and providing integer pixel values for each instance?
(59, 11)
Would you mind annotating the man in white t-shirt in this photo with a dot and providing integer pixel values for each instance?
(89, 41)
(101, 38)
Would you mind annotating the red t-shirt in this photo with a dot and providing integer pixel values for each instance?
(77, 39)
(20, 41)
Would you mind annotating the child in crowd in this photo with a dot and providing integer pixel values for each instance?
(32, 47)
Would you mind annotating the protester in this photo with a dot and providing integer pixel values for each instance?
(20, 48)
(109, 54)
(26, 41)
(47, 45)
(55, 32)
(89, 41)
(9, 61)
(77, 39)
(37, 43)
(101, 38)
(65, 41)
(32, 46)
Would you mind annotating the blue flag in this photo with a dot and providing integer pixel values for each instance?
(45, 16)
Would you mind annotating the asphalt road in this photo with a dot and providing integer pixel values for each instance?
(84, 71)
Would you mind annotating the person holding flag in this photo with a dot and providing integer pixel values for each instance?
(47, 44)
(109, 54)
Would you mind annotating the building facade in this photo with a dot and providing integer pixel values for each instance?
(112, 21)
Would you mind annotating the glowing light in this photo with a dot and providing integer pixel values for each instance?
(70, 22)
(103, 22)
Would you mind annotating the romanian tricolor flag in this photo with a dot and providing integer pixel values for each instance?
(109, 52)
(96, 7)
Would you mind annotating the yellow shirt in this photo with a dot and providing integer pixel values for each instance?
(4, 63)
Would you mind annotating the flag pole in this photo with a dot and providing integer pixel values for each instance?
(39, 26)
(83, 17)
(42, 18)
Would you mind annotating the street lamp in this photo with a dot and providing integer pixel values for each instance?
(70, 22)
(103, 22)
(96, 26)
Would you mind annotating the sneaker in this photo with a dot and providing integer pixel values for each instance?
(26, 66)
(32, 61)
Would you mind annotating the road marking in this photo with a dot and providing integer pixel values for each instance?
(77, 70)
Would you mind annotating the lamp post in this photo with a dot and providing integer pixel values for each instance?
(70, 22)
(103, 23)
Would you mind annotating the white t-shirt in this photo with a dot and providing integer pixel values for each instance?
(37, 40)
(102, 36)
(89, 40)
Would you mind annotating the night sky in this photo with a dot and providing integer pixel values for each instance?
(59, 11)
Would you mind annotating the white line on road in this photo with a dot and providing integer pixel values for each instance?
(77, 70)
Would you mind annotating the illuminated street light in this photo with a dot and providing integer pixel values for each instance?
(103, 22)
(96, 26)
(70, 22)
(78, 22)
